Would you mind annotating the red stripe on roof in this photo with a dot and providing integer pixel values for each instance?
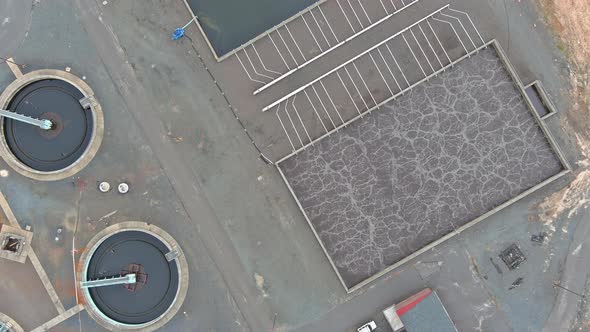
(412, 301)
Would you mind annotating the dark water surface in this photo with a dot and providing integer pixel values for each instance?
(230, 23)
(59, 147)
(113, 257)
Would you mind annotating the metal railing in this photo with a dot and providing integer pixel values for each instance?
(420, 44)
(41, 123)
(291, 52)
(109, 281)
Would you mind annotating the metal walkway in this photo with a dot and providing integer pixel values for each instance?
(41, 123)
(110, 281)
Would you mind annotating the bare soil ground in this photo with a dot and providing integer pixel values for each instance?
(570, 22)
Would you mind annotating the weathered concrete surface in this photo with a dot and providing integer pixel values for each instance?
(277, 254)
(56, 40)
(15, 22)
(58, 319)
(19, 286)
(273, 241)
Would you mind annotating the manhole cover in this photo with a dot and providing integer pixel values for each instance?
(512, 256)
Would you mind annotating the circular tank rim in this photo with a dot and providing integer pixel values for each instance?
(97, 127)
(86, 292)
(181, 264)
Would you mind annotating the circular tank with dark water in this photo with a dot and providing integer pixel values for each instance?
(157, 283)
(67, 140)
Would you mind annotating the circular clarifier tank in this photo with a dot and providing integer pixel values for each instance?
(75, 134)
(160, 279)
(56, 148)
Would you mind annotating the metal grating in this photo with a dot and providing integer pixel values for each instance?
(512, 256)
